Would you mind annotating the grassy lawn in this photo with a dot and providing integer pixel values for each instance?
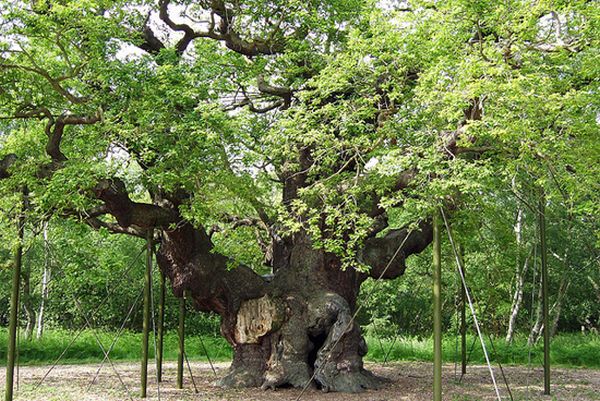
(85, 348)
(568, 350)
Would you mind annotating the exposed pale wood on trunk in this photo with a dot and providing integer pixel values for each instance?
(255, 318)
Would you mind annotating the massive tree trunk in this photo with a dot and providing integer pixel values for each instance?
(302, 323)
(296, 323)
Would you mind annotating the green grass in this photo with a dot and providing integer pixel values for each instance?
(569, 350)
(85, 349)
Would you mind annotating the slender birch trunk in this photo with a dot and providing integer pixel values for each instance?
(30, 313)
(562, 289)
(45, 281)
(557, 306)
(519, 278)
(537, 327)
(555, 311)
(517, 299)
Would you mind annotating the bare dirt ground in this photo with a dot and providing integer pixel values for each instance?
(411, 381)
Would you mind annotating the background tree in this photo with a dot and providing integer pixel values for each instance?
(327, 131)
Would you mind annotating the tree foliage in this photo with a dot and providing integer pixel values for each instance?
(379, 111)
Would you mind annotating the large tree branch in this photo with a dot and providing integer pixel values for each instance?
(188, 32)
(97, 224)
(387, 255)
(379, 252)
(185, 254)
(54, 129)
(151, 43)
(279, 91)
(383, 254)
(55, 134)
(224, 32)
(133, 218)
(129, 213)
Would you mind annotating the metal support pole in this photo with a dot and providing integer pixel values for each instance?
(146, 323)
(437, 310)
(463, 317)
(543, 254)
(181, 331)
(161, 328)
(14, 310)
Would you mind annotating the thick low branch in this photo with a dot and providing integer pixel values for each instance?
(92, 217)
(385, 257)
(128, 213)
(382, 254)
